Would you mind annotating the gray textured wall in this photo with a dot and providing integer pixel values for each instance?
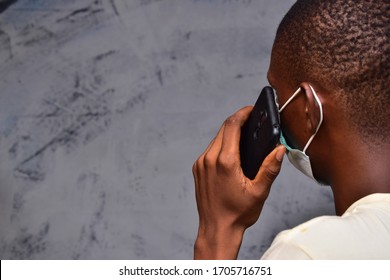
(105, 105)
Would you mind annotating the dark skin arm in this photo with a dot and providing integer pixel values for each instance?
(228, 202)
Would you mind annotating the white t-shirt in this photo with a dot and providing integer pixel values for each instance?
(362, 232)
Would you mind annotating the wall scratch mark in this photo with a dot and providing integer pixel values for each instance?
(159, 76)
(114, 7)
(104, 55)
(5, 46)
(87, 11)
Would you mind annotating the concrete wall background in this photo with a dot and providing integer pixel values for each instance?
(104, 107)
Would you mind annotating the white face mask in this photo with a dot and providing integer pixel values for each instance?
(298, 158)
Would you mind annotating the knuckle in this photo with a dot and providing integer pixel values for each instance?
(262, 194)
(225, 162)
(195, 167)
(208, 160)
(232, 120)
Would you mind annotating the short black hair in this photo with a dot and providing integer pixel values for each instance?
(343, 46)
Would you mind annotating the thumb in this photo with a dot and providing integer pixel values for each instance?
(270, 167)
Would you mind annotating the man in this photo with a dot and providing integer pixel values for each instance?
(330, 69)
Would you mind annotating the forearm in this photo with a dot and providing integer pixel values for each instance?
(222, 244)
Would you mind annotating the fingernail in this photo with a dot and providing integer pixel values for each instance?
(280, 153)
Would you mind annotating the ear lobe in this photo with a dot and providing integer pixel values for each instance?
(312, 110)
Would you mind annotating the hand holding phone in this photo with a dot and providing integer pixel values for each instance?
(227, 201)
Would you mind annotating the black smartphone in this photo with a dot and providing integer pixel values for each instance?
(260, 133)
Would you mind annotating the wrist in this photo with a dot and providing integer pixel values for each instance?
(218, 243)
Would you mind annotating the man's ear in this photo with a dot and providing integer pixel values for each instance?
(312, 109)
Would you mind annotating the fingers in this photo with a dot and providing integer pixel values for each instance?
(270, 167)
(200, 160)
(217, 141)
(232, 132)
(226, 143)
(228, 157)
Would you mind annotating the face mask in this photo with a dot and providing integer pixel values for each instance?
(298, 158)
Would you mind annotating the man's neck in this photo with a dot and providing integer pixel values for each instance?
(359, 173)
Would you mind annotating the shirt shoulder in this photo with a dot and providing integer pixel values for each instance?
(363, 232)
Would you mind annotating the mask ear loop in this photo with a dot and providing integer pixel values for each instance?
(289, 100)
(321, 113)
(320, 122)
